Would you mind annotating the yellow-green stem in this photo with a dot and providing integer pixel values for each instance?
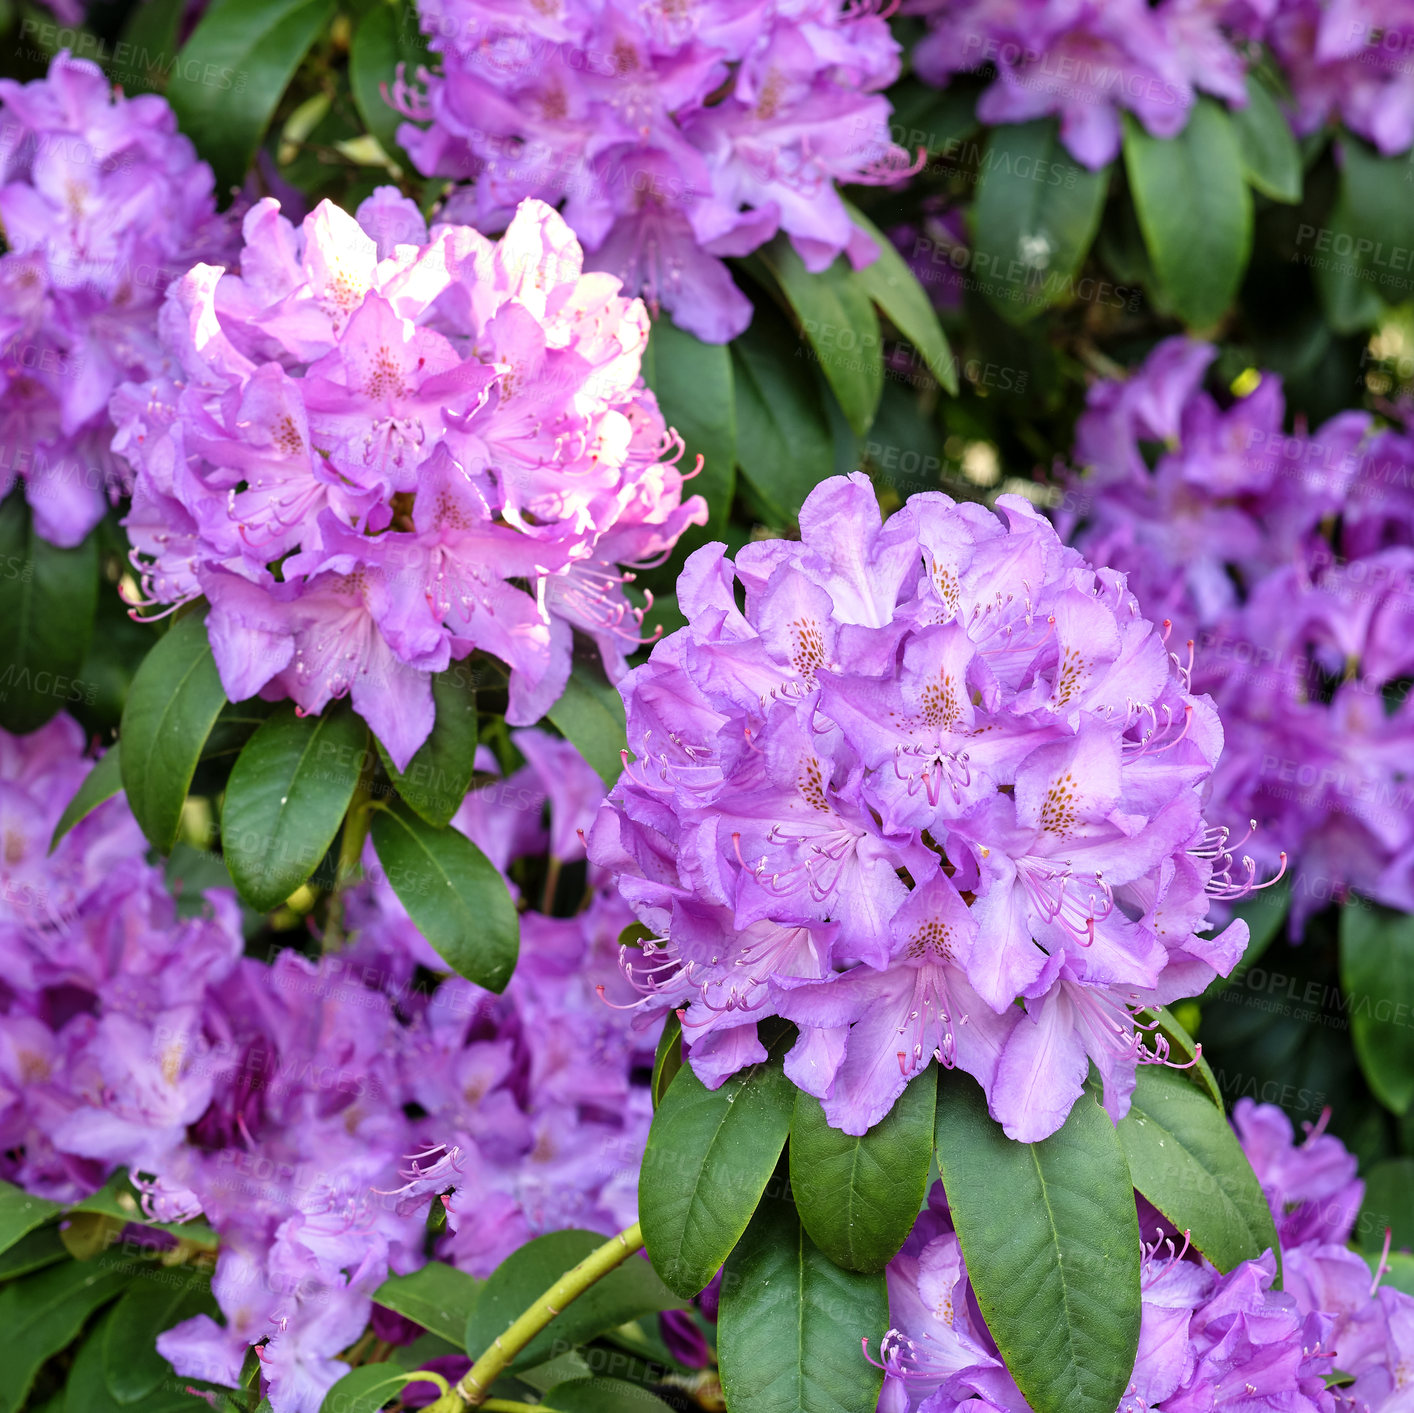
(494, 1362)
(351, 843)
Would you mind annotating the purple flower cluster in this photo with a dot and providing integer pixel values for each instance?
(309, 1110)
(1207, 1341)
(673, 135)
(376, 452)
(1289, 560)
(1315, 1199)
(1351, 59)
(930, 767)
(103, 204)
(1090, 61)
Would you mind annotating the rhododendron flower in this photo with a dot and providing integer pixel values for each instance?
(1288, 559)
(1090, 62)
(1206, 1340)
(934, 767)
(674, 136)
(374, 456)
(103, 203)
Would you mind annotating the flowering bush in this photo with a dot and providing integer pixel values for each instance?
(489, 927)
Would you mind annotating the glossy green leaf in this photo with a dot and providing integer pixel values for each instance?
(788, 1334)
(1195, 209)
(602, 1395)
(21, 1212)
(101, 783)
(232, 72)
(150, 33)
(437, 1296)
(1185, 1158)
(895, 289)
(1183, 1049)
(368, 1387)
(709, 1157)
(784, 447)
(667, 1060)
(155, 1302)
(1388, 1205)
(439, 774)
(836, 314)
(175, 699)
(86, 1388)
(1358, 255)
(1270, 156)
(47, 600)
(387, 35)
(859, 1197)
(453, 893)
(1034, 219)
(626, 1293)
(286, 799)
(40, 1314)
(32, 1252)
(117, 1198)
(693, 383)
(590, 714)
(1377, 976)
(1051, 1240)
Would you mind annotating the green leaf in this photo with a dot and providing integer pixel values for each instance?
(784, 447)
(367, 1388)
(836, 314)
(48, 597)
(175, 699)
(117, 1198)
(1352, 255)
(859, 1197)
(710, 1154)
(1186, 1160)
(1198, 1071)
(693, 383)
(1270, 156)
(667, 1060)
(286, 798)
(154, 1303)
(388, 35)
(1034, 218)
(453, 894)
(232, 72)
(101, 783)
(1195, 209)
(41, 1313)
(1377, 974)
(895, 289)
(1388, 1205)
(437, 1296)
(439, 774)
(788, 1336)
(1263, 912)
(590, 714)
(602, 1395)
(86, 1389)
(1051, 1240)
(151, 33)
(626, 1293)
(21, 1212)
(32, 1253)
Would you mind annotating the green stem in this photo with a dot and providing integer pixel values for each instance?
(494, 1362)
(552, 879)
(351, 843)
(505, 1405)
